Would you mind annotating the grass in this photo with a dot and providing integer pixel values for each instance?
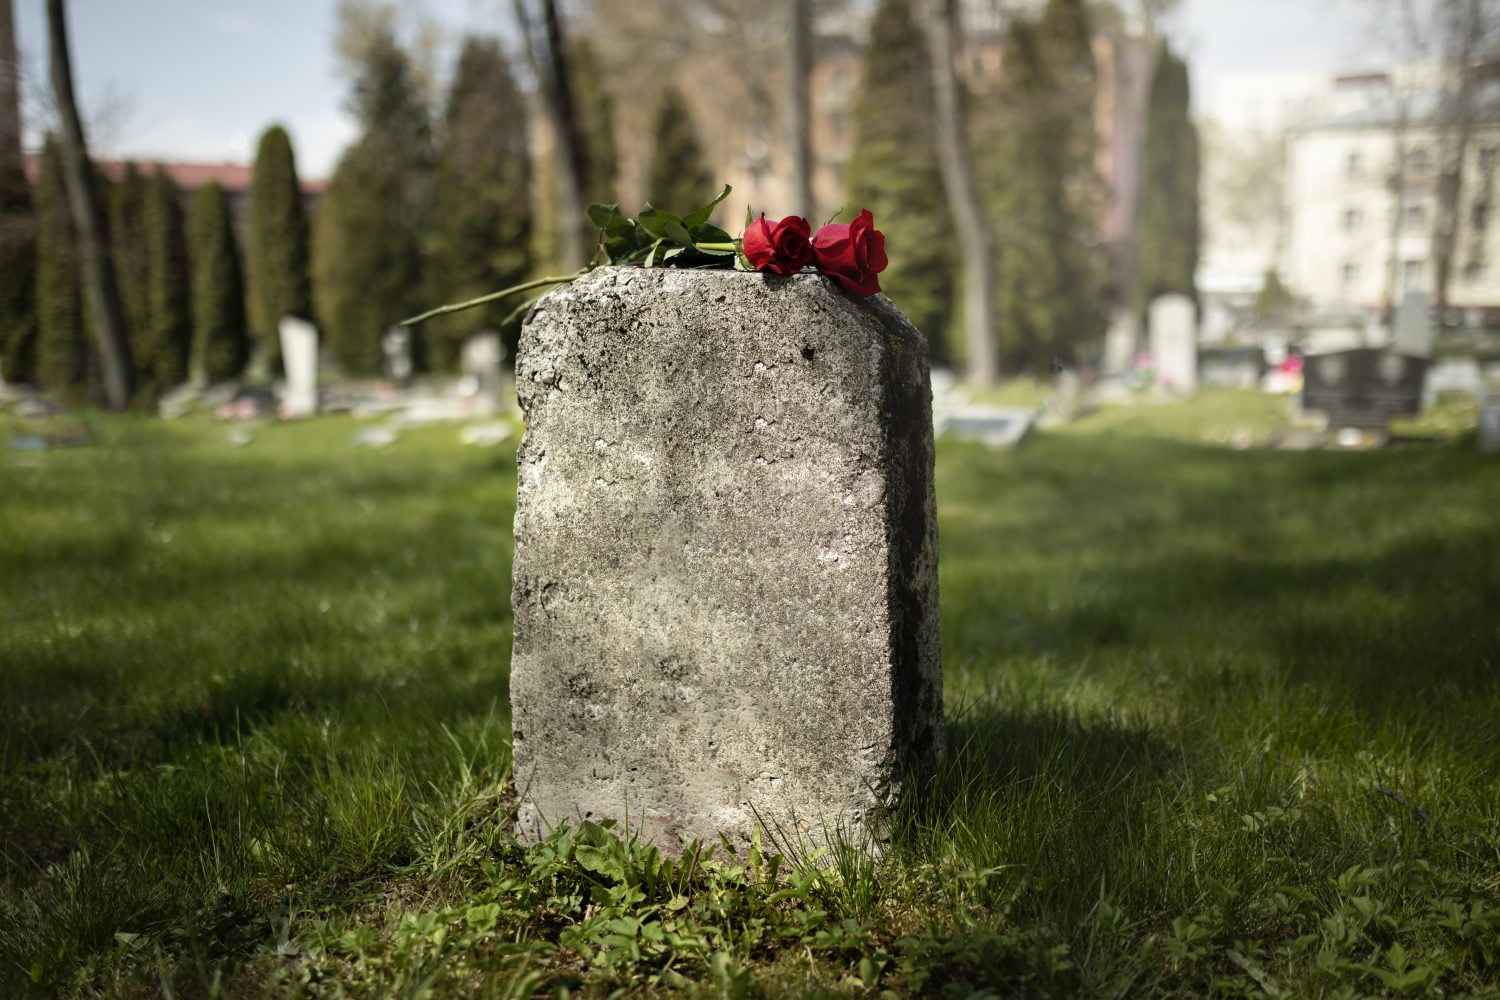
(1223, 723)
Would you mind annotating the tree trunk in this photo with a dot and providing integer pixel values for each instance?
(798, 63)
(1465, 28)
(10, 89)
(549, 63)
(975, 242)
(90, 221)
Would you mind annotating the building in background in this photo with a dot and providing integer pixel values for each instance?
(1361, 199)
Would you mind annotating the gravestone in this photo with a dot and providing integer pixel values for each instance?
(1489, 426)
(996, 426)
(299, 356)
(1413, 334)
(1364, 387)
(1453, 375)
(724, 581)
(481, 379)
(395, 349)
(1120, 343)
(1174, 343)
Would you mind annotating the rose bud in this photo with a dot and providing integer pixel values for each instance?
(779, 247)
(852, 254)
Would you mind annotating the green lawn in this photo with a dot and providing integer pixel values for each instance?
(1222, 723)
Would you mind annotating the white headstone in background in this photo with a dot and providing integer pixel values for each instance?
(1453, 375)
(480, 366)
(1120, 343)
(1174, 342)
(1414, 333)
(395, 346)
(299, 355)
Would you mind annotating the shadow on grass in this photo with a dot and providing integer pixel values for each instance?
(1372, 577)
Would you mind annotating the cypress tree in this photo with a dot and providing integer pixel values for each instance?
(219, 342)
(163, 360)
(277, 256)
(366, 256)
(61, 340)
(481, 240)
(1038, 182)
(894, 172)
(1169, 226)
(678, 180)
(127, 222)
(17, 238)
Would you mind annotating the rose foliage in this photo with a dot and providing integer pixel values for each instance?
(852, 254)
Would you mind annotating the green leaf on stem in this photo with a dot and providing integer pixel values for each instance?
(654, 220)
(698, 218)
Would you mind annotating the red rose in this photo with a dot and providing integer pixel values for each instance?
(852, 254)
(778, 247)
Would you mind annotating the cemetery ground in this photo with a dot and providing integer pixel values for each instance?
(1221, 722)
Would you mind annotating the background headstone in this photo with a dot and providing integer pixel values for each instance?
(725, 571)
(1174, 342)
(299, 356)
(482, 379)
(395, 349)
(1362, 388)
(1489, 425)
(1453, 375)
(1414, 334)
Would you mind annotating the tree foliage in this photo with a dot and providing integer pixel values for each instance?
(277, 245)
(17, 247)
(894, 172)
(220, 346)
(127, 233)
(596, 120)
(367, 271)
(481, 239)
(1169, 225)
(162, 357)
(678, 180)
(61, 345)
(1041, 189)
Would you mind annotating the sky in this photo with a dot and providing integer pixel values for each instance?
(200, 79)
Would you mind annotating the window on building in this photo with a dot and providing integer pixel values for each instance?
(1479, 216)
(1474, 271)
(1486, 159)
(1351, 273)
(1353, 165)
(1419, 159)
(1411, 273)
(1413, 218)
(1353, 219)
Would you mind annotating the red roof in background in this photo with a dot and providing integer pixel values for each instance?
(232, 177)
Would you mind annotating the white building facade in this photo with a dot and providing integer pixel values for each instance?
(1362, 202)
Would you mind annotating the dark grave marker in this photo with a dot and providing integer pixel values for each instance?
(1364, 387)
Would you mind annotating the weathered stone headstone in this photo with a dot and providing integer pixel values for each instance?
(395, 349)
(299, 355)
(725, 572)
(1413, 334)
(1120, 342)
(479, 365)
(1174, 342)
(1362, 388)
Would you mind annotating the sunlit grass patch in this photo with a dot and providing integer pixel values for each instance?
(1221, 723)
